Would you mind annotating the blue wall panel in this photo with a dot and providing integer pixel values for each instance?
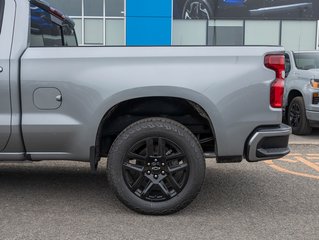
(148, 22)
(148, 8)
(148, 31)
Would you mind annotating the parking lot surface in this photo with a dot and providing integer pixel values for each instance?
(63, 200)
(312, 139)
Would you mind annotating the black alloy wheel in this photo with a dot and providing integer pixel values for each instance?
(156, 166)
(297, 117)
(155, 169)
(294, 115)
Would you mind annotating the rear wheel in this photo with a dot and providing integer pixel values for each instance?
(297, 117)
(156, 166)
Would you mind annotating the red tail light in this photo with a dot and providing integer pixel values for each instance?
(276, 62)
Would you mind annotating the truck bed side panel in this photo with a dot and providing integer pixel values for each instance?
(230, 83)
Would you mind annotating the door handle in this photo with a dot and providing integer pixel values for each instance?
(1, 69)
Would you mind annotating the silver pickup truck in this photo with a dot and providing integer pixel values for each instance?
(301, 98)
(154, 112)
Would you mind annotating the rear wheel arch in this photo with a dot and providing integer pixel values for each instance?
(124, 113)
(294, 93)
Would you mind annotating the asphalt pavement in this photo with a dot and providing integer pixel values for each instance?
(62, 200)
(309, 139)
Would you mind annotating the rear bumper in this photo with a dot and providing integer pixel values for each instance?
(268, 143)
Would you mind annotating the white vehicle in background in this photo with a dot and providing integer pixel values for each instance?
(301, 98)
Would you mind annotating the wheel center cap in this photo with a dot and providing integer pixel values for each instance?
(156, 168)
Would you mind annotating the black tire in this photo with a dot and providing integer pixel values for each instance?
(183, 159)
(198, 9)
(297, 117)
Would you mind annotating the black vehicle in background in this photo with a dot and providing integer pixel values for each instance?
(246, 9)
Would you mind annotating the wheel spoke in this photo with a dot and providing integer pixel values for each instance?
(164, 189)
(136, 156)
(147, 188)
(133, 167)
(178, 168)
(137, 183)
(161, 147)
(173, 182)
(176, 156)
(150, 147)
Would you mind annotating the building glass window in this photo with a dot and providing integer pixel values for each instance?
(114, 8)
(93, 29)
(69, 7)
(261, 32)
(114, 32)
(189, 32)
(93, 7)
(299, 35)
(226, 32)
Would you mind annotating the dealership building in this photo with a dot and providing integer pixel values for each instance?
(292, 24)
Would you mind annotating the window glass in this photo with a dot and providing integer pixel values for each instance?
(189, 32)
(114, 8)
(78, 29)
(306, 61)
(93, 31)
(287, 65)
(1, 12)
(226, 33)
(114, 30)
(44, 33)
(69, 36)
(93, 7)
(262, 32)
(299, 35)
(68, 7)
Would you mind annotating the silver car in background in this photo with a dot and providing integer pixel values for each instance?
(301, 98)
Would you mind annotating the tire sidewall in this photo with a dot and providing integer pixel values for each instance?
(175, 133)
(303, 126)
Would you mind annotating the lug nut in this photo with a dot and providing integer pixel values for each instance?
(155, 176)
(148, 172)
(163, 172)
(148, 164)
(163, 164)
(155, 160)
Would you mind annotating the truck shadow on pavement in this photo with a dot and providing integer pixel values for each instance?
(64, 187)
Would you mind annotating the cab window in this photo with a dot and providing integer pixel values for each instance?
(1, 12)
(44, 33)
(49, 31)
(69, 36)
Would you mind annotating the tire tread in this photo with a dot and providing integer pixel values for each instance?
(152, 123)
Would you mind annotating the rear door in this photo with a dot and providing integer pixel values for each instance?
(7, 9)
